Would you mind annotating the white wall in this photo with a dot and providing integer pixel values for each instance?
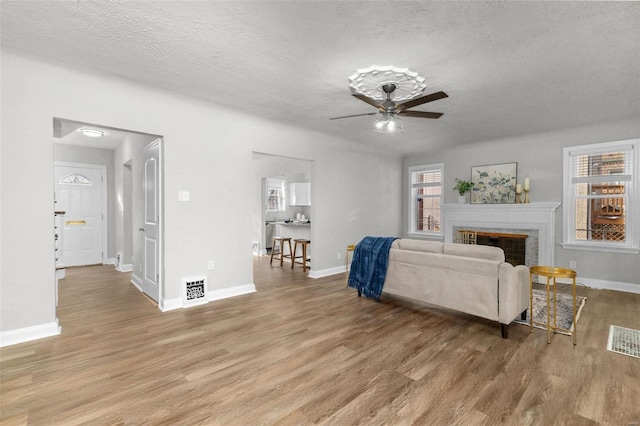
(539, 157)
(207, 151)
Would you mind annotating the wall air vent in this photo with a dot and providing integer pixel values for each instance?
(194, 291)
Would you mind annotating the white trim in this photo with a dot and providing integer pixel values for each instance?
(601, 248)
(170, 304)
(136, 281)
(225, 293)
(26, 334)
(160, 142)
(126, 268)
(105, 200)
(609, 285)
(327, 272)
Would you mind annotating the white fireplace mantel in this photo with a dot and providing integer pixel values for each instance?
(538, 216)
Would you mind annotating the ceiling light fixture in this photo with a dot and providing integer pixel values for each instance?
(392, 91)
(387, 123)
(92, 133)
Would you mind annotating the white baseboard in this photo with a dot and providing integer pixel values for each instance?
(231, 292)
(125, 268)
(609, 285)
(109, 261)
(26, 334)
(137, 281)
(170, 304)
(598, 284)
(177, 303)
(327, 272)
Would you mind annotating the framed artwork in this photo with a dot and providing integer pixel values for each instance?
(494, 184)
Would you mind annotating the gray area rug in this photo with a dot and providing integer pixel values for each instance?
(564, 310)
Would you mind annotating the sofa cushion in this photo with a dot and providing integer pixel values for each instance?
(418, 245)
(472, 250)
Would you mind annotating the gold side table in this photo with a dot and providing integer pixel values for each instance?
(551, 274)
(350, 249)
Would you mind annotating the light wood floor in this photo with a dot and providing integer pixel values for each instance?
(302, 351)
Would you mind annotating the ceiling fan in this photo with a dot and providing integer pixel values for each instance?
(389, 110)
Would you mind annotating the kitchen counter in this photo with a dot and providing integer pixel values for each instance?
(295, 230)
(280, 228)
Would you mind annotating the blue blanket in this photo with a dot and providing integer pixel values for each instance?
(369, 265)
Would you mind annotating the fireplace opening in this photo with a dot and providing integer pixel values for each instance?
(513, 245)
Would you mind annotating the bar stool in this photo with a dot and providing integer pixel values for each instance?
(281, 241)
(552, 273)
(303, 243)
(350, 249)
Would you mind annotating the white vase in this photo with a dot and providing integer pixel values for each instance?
(462, 199)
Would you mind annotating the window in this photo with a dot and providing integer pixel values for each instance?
(425, 205)
(75, 179)
(601, 197)
(275, 195)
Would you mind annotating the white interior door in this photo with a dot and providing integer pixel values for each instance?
(151, 221)
(79, 193)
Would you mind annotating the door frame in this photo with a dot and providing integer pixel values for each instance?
(105, 208)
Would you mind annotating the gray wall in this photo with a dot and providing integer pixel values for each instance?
(539, 157)
(206, 152)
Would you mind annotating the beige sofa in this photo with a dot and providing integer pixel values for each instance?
(473, 279)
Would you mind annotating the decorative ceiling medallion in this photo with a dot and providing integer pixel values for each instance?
(369, 82)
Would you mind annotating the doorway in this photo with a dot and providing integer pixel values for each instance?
(273, 177)
(80, 197)
(120, 153)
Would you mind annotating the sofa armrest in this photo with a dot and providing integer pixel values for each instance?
(513, 291)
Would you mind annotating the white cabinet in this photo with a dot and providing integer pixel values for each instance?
(300, 194)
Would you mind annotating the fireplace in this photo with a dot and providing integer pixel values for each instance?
(513, 245)
(535, 220)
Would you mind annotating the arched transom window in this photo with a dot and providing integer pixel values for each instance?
(75, 179)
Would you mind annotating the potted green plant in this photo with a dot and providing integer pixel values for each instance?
(462, 186)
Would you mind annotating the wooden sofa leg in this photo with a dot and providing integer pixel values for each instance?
(505, 331)
(523, 315)
(359, 294)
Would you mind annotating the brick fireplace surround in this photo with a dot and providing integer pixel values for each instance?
(538, 218)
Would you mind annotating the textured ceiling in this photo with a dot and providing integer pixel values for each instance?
(509, 68)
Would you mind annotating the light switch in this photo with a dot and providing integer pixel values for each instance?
(183, 195)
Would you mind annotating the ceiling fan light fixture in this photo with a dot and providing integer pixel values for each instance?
(387, 123)
(92, 133)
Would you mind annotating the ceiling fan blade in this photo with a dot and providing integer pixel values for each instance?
(353, 115)
(421, 114)
(369, 101)
(419, 101)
